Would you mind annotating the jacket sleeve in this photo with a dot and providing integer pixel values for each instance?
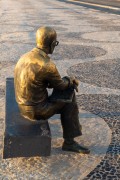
(54, 79)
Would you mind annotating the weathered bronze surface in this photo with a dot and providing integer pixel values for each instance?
(34, 73)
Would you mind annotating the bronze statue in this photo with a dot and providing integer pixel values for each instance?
(34, 73)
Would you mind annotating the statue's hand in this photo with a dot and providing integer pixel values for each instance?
(75, 83)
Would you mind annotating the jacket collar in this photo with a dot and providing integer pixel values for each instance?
(41, 52)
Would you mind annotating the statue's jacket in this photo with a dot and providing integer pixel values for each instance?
(34, 73)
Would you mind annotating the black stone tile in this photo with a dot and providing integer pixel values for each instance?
(94, 103)
(77, 51)
(100, 73)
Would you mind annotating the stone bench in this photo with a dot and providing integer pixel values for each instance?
(22, 137)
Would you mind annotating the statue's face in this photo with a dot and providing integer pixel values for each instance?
(54, 43)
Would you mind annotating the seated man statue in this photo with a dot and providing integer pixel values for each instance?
(34, 73)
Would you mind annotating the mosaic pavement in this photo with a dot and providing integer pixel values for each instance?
(89, 49)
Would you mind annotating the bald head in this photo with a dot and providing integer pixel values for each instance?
(45, 36)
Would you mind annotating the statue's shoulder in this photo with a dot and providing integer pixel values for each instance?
(50, 66)
(25, 58)
(30, 55)
(27, 55)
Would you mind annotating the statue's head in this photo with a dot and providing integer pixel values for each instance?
(46, 39)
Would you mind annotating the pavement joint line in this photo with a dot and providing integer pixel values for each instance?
(93, 4)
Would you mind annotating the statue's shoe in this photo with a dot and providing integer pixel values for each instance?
(75, 147)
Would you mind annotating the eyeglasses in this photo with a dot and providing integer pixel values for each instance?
(55, 43)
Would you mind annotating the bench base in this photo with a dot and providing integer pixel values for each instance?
(26, 146)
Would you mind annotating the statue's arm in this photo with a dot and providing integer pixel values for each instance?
(54, 79)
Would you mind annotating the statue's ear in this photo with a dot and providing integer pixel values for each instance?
(51, 49)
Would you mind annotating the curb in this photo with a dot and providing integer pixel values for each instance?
(110, 9)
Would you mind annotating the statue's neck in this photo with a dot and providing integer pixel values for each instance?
(46, 50)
